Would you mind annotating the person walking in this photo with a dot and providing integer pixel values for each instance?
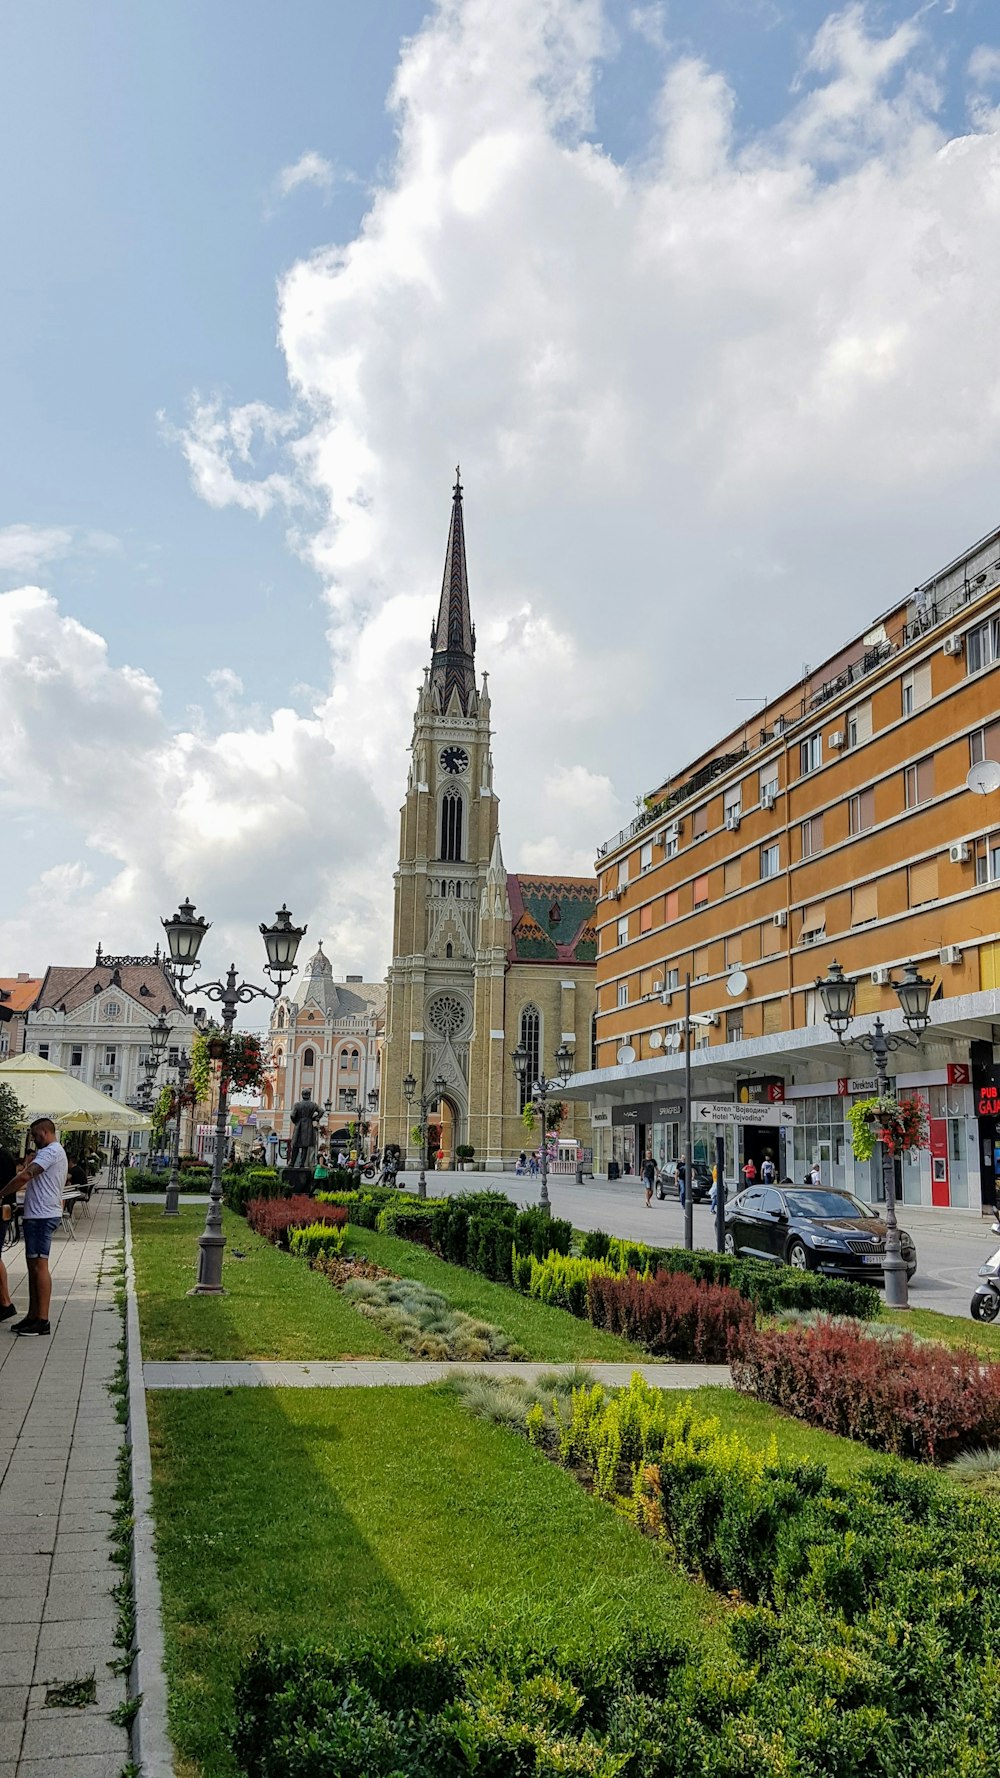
(767, 1171)
(649, 1175)
(44, 1180)
(815, 1177)
(749, 1172)
(8, 1174)
(681, 1180)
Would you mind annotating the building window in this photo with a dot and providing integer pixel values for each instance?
(43, 1051)
(345, 1060)
(701, 961)
(308, 1058)
(859, 724)
(811, 836)
(699, 823)
(810, 754)
(734, 951)
(813, 926)
(984, 743)
(922, 882)
(671, 905)
(623, 930)
(769, 862)
(355, 1059)
(622, 994)
(110, 1058)
(451, 825)
(731, 873)
(346, 1098)
(768, 782)
(918, 782)
(772, 1020)
(646, 855)
(646, 918)
(982, 645)
(861, 811)
(76, 1056)
(672, 980)
(916, 688)
(771, 941)
(700, 892)
(734, 1026)
(864, 904)
(112, 1010)
(530, 1037)
(988, 859)
(732, 803)
(623, 873)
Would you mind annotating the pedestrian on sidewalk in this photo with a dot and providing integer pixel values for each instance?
(649, 1175)
(8, 1174)
(44, 1180)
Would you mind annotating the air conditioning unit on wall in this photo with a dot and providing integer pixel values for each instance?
(950, 954)
(952, 645)
(768, 800)
(960, 852)
(838, 738)
(880, 977)
(780, 919)
(733, 821)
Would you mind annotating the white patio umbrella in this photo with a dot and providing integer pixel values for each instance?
(47, 1091)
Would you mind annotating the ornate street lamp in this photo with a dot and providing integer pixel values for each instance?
(159, 1032)
(185, 932)
(539, 1091)
(914, 991)
(171, 1205)
(439, 1086)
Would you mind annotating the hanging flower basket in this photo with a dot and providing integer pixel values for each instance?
(899, 1123)
(239, 1058)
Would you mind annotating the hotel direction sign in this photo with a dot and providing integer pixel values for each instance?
(723, 1111)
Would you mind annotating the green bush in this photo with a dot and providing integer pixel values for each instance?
(425, 1323)
(409, 1218)
(318, 1238)
(139, 1179)
(562, 1281)
(365, 1203)
(482, 1230)
(240, 1189)
(770, 1288)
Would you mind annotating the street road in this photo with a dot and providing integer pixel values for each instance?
(950, 1247)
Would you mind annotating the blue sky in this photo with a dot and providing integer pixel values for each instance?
(151, 256)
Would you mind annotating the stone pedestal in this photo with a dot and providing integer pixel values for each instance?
(296, 1180)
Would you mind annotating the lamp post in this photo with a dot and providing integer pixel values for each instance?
(539, 1091)
(837, 994)
(185, 932)
(439, 1086)
(171, 1205)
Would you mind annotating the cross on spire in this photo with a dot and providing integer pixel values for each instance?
(453, 638)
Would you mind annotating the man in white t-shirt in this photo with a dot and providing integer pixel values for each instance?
(44, 1181)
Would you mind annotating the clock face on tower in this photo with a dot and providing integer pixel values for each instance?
(454, 759)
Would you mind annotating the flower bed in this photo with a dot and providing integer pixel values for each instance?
(425, 1323)
(671, 1315)
(274, 1218)
(770, 1288)
(910, 1398)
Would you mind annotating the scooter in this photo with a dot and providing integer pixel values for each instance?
(986, 1302)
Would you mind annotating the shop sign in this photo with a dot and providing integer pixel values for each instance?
(631, 1114)
(764, 1089)
(988, 1099)
(865, 1088)
(668, 1111)
(959, 1074)
(601, 1120)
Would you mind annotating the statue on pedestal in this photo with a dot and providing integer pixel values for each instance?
(305, 1133)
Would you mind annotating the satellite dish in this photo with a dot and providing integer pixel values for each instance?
(984, 777)
(655, 1040)
(737, 983)
(625, 1055)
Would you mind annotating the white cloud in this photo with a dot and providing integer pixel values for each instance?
(24, 549)
(716, 407)
(310, 169)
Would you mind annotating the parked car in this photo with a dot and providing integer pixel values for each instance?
(667, 1187)
(813, 1228)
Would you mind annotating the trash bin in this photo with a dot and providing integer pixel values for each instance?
(579, 1172)
(614, 1171)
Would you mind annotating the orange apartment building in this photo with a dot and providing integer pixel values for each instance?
(843, 822)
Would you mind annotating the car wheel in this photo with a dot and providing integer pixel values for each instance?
(730, 1244)
(798, 1257)
(985, 1308)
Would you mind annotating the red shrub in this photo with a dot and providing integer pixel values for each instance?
(914, 1400)
(274, 1218)
(672, 1314)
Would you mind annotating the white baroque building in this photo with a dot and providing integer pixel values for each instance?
(94, 1022)
(326, 1035)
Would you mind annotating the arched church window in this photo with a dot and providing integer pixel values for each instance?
(530, 1039)
(451, 826)
(448, 950)
(308, 1058)
(355, 1058)
(444, 888)
(458, 891)
(345, 1060)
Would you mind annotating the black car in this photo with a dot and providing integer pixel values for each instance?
(812, 1228)
(667, 1187)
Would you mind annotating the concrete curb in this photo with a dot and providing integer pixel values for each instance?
(151, 1745)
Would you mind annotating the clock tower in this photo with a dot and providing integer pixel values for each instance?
(443, 979)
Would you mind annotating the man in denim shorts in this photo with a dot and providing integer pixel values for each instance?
(44, 1181)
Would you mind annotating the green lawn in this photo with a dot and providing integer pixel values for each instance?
(544, 1332)
(275, 1306)
(951, 1330)
(325, 1514)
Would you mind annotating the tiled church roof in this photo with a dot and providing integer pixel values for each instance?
(552, 919)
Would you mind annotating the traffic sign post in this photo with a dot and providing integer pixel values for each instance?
(724, 1111)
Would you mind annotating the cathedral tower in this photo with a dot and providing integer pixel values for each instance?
(448, 836)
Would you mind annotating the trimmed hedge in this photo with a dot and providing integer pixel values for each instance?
(771, 1288)
(317, 1239)
(672, 1315)
(365, 1204)
(909, 1397)
(411, 1219)
(141, 1179)
(482, 1230)
(275, 1218)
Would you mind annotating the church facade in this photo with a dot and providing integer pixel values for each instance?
(482, 959)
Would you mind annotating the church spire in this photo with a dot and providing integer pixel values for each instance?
(453, 637)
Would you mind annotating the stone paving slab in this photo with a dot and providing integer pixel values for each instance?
(359, 1373)
(58, 1452)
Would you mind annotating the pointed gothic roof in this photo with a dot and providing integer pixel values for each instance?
(453, 637)
(552, 919)
(316, 987)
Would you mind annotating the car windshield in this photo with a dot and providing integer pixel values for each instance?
(821, 1205)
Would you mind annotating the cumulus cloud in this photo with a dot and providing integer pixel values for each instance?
(716, 407)
(26, 549)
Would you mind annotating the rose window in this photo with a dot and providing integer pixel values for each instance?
(446, 1015)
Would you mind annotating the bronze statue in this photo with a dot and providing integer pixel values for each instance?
(305, 1128)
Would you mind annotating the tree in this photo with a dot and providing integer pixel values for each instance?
(13, 1118)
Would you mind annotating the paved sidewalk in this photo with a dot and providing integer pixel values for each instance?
(59, 1443)
(359, 1373)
